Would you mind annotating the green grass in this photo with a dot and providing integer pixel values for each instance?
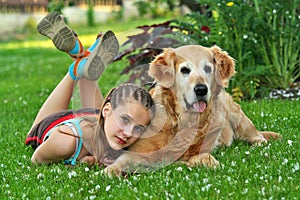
(30, 69)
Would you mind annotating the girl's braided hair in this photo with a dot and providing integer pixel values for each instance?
(125, 91)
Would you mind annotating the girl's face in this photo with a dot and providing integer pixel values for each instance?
(125, 124)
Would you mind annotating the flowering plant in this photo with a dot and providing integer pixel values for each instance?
(263, 37)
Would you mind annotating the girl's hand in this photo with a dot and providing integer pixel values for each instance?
(89, 160)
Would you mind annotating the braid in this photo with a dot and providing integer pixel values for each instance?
(126, 91)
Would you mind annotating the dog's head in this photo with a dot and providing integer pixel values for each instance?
(195, 73)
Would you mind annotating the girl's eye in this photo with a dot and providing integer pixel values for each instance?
(125, 120)
(138, 129)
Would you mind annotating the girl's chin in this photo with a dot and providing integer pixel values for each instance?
(115, 146)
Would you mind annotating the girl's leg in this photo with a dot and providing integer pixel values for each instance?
(60, 97)
(65, 39)
(90, 68)
(58, 100)
(100, 54)
(90, 94)
(87, 70)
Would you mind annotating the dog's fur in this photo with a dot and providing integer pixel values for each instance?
(194, 112)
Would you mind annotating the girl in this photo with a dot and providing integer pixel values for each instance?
(94, 133)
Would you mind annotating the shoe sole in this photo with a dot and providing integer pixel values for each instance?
(54, 27)
(102, 55)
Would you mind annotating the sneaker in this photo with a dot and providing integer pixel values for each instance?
(88, 51)
(102, 55)
(54, 27)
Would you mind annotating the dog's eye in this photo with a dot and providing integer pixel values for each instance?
(185, 70)
(207, 69)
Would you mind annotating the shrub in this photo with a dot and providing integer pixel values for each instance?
(155, 8)
(56, 5)
(261, 35)
(30, 26)
(90, 15)
(141, 48)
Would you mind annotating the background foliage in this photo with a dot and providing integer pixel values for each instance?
(263, 37)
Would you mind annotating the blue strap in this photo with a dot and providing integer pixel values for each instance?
(76, 49)
(73, 159)
(71, 72)
(91, 48)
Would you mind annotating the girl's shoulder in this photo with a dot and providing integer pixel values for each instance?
(89, 124)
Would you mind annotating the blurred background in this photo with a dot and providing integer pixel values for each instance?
(262, 36)
(15, 14)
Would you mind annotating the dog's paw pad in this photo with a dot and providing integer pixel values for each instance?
(260, 142)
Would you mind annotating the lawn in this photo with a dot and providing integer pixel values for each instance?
(30, 69)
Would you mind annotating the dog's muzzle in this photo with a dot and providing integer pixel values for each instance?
(201, 91)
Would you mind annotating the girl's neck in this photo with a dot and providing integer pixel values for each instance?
(110, 155)
(102, 150)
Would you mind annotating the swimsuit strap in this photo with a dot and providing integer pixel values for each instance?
(70, 123)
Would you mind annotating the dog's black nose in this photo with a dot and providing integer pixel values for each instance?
(200, 90)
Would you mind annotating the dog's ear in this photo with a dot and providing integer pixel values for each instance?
(162, 68)
(225, 66)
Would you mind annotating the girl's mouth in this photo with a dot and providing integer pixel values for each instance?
(120, 141)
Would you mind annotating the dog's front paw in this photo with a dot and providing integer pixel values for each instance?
(112, 171)
(264, 137)
(205, 160)
(209, 161)
(259, 141)
(271, 135)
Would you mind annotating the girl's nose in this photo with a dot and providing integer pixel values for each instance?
(127, 131)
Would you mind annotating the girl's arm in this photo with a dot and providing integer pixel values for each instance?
(59, 146)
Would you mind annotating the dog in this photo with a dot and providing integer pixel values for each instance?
(194, 113)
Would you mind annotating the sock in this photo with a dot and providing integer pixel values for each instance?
(91, 48)
(76, 69)
(77, 51)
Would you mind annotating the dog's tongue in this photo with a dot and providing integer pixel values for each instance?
(199, 106)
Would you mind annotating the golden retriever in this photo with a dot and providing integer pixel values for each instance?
(194, 113)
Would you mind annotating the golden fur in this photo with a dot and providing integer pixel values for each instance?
(194, 113)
